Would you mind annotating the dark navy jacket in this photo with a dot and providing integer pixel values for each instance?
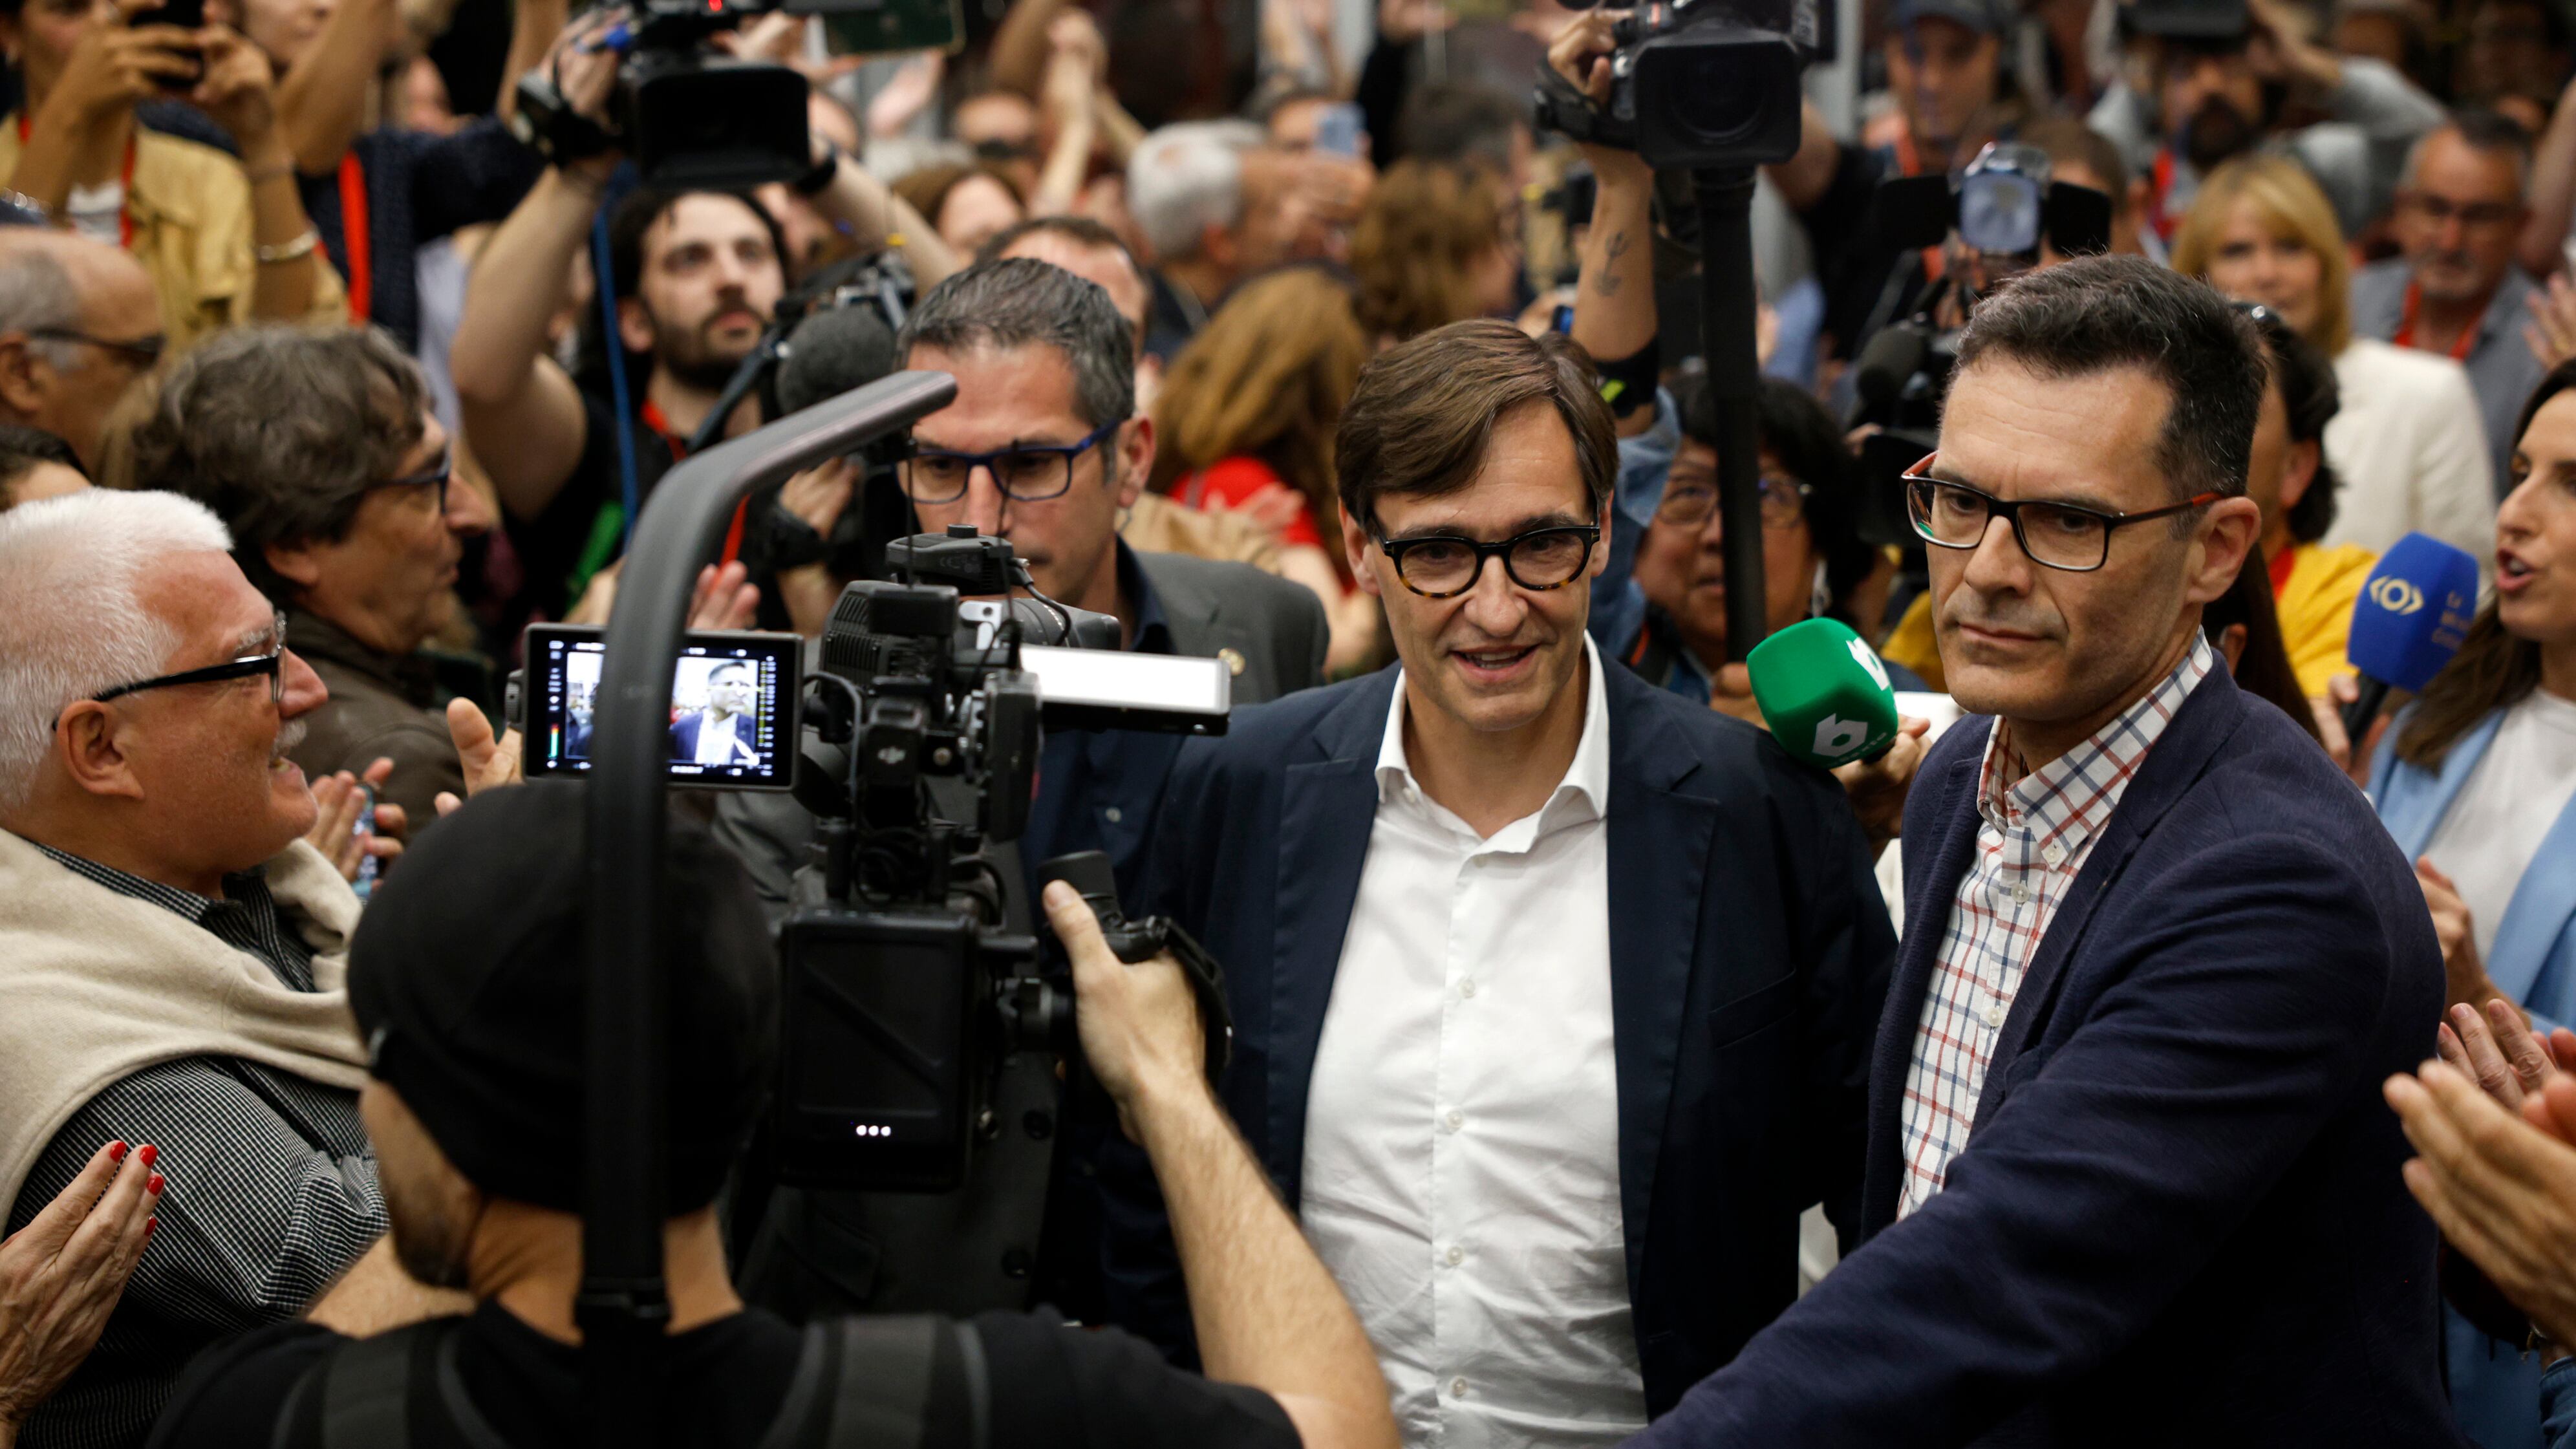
(1749, 952)
(2179, 1218)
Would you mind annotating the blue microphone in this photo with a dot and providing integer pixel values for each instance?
(2414, 610)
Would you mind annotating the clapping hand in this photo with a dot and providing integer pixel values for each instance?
(340, 803)
(61, 1274)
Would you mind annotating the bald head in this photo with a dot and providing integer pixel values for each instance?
(78, 324)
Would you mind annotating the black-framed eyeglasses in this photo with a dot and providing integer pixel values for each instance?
(1028, 472)
(436, 476)
(1444, 565)
(1688, 501)
(2064, 536)
(2440, 210)
(143, 352)
(271, 664)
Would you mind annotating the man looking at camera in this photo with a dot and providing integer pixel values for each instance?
(465, 980)
(1552, 992)
(723, 733)
(2128, 1170)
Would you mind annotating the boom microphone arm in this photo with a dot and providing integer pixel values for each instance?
(623, 1308)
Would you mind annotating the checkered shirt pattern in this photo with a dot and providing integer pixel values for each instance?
(2035, 829)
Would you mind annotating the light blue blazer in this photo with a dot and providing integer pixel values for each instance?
(2534, 956)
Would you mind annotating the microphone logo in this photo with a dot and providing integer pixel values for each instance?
(2396, 595)
(1867, 658)
(1836, 736)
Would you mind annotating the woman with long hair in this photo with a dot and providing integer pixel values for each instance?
(1435, 245)
(2480, 788)
(2407, 443)
(1244, 421)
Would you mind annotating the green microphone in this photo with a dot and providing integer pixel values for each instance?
(1824, 693)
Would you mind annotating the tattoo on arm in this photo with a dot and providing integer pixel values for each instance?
(1610, 281)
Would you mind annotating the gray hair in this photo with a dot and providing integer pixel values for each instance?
(1020, 302)
(2486, 132)
(72, 622)
(36, 294)
(1186, 178)
(282, 431)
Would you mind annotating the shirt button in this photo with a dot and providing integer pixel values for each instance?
(1467, 987)
(1456, 1255)
(2053, 853)
(1111, 815)
(1457, 1388)
(1456, 1119)
(1992, 1016)
(2021, 895)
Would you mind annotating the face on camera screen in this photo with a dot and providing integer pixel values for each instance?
(730, 719)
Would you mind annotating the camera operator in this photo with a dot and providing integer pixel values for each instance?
(696, 276)
(465, 979)
(171, 955)
(1044, 446)
(2206, 80)
(78, 324)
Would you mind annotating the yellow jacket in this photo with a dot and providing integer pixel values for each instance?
(191, 209)
(2316, 609)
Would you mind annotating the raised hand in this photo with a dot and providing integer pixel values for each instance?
(61, 1274)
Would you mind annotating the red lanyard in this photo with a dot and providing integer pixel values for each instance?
(125, 189)
(2406, 325)
(353, 238)
(679, 447)
(2164, 176)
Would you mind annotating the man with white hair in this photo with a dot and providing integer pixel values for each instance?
(171, 951)
(1215, 205)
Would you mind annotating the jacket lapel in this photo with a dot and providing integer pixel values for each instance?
(2179, 757)
(2542, 908)
(1659, 840)
(1947, 823)
(1328, 806)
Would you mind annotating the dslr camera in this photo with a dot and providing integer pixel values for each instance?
(1694, 84)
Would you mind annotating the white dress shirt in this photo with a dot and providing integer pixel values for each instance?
(717, 741)
(1461, 1174)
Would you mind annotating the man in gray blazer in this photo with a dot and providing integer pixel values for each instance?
(1044, 446)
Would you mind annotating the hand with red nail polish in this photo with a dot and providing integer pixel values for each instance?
(61, 1274)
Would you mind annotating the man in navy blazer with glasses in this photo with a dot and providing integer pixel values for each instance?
(2130, 1180)
(1553, 995)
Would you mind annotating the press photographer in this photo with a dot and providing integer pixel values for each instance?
(465, 978)
(694, 273)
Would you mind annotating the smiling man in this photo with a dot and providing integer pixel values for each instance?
(320, 453)
(1552, 991)
(2129, 1178)
(172, 954)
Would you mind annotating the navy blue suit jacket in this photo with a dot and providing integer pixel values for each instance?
(2179, 1218)
(1749, 953)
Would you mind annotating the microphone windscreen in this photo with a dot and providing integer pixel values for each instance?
(1824, 693)
(1891, 357)
(831, 353)
(2413, 613)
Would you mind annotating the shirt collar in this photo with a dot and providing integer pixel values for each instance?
(1584, 793)
(244, 888)
(2066, 800)
(1152, 632)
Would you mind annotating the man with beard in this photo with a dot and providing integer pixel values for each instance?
(2209, 79)
(694, 276)
(320, 453)
(2457, 291)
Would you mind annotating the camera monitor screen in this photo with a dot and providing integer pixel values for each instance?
(733, 706)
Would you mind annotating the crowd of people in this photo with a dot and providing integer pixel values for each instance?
(2133, 1052)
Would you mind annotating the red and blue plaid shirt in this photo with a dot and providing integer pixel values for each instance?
(2036, 827)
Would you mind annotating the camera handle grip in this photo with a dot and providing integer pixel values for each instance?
(1089, 874)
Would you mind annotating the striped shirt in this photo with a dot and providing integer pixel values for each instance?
(271, 1196)
(2035, 830)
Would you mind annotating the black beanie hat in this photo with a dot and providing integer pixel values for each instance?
(466, 979)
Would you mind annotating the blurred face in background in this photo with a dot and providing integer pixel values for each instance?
(2212, 102)
(974, 211)
(284, 29)
(2536, 533)
(1003, 128)
(2252, 261)
(1943, 75)
(2458, 218)
(1681, 562)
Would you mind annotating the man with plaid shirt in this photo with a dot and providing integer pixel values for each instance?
(2129, 1177)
